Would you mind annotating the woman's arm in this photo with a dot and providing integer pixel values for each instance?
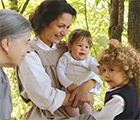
(37, 84)
(67, 102)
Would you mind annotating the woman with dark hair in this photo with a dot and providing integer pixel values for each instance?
(38, 81)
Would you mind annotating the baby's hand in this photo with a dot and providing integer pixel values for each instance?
(71, 87)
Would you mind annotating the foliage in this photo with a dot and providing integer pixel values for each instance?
(98, 23)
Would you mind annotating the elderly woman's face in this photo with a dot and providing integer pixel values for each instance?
(57, 29)
(17, 50)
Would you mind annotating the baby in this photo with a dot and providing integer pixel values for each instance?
(76, 67)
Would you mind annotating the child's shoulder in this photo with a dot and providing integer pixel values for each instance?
(66, 55)
(90, 59)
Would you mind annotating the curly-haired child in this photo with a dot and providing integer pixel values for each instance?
(120, 68)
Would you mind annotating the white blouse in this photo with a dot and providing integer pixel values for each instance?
(37, 83)
(112, 108)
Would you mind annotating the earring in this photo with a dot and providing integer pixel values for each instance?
(6, 53)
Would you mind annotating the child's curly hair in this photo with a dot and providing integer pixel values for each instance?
(127, 58)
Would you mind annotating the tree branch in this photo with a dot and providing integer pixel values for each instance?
(2, 4)
(24, 6)
(85, 5)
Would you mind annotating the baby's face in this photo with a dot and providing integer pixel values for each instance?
(80, 49)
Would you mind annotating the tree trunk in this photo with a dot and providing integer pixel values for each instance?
(134, 27)
(134, 24)
(116, 19)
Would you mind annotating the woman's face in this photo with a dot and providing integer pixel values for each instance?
(17, 50)
(57, 29)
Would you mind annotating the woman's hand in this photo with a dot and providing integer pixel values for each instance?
(72, 87)
(81, 94)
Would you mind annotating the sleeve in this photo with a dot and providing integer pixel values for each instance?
(111, 109)
(96, 90)
(37, 84)
(94, 75)
(61, 69)
(5, 97)
(93, 64)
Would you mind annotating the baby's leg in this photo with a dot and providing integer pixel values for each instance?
(86, 109)
(72, 111)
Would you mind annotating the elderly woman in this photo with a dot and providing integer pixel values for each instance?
(14, 38)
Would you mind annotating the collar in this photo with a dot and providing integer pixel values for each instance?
(42, 45)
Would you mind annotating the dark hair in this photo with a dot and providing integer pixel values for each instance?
(48, 11)
(80, 34)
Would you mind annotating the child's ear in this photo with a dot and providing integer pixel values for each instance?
(69, 46)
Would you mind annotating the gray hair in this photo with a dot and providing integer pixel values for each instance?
(13, 24)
